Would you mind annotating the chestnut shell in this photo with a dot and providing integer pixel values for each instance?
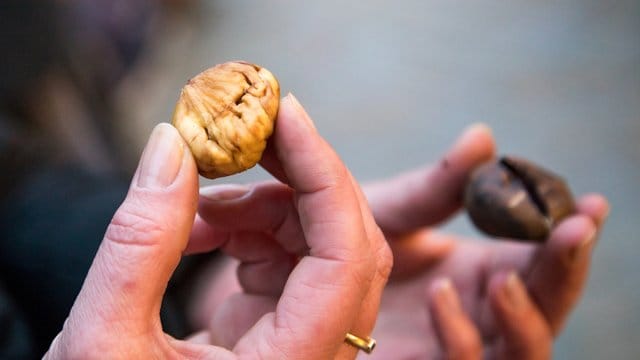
(517, 199)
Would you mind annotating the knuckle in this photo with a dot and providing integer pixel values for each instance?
(384, 258)
(133, 225)
(362, 275)
(374, 268)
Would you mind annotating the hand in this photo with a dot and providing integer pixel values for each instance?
(463, 299)
(312, 256)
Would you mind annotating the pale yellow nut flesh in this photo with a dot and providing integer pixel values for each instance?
(226, 115)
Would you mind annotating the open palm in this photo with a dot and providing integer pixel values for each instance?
(448, 297)
(451, 297)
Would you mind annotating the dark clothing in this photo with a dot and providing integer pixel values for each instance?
(50, 228)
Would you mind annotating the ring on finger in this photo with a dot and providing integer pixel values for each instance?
(365, 344)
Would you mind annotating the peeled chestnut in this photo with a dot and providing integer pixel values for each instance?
(226, 114)
(517, 199)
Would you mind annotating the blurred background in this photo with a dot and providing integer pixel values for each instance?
(389, 84)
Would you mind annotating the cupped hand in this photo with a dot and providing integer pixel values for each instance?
(458, 298)
(313, 261)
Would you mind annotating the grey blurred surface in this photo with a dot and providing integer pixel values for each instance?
(391, 84)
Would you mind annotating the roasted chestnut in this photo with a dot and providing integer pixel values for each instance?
(517, 199)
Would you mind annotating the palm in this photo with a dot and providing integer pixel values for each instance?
(404, 328)
(553, 273)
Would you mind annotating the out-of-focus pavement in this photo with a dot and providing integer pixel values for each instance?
(391, 83)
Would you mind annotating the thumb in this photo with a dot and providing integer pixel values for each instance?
(143, 243)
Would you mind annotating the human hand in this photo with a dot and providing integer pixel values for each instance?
(463, 299)
(263, 227)
(310, 249)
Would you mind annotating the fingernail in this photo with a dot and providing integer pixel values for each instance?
(224, 192)
(445, 293)
(161, 159)
(301, 111)
(583, 250)
(514, 290)
(475, 145)
(477, 127)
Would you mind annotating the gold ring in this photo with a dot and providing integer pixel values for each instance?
(367, 344)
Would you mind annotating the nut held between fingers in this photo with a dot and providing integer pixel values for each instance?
(226, 114)
(517, 199)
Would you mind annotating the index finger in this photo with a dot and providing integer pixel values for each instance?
(337, 273)
(429, 195)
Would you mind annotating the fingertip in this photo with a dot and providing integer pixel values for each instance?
(441, 286)
(224, 192)
(308, 162)
(497, 291)
(287, 103)
(496, 283)
(419, 251)
(573, 231)
(596, 206)
(202, 337)
(478, 129)
(289, 100)
(292, 110)
(457, 335)
(477, 142)
(444, 299)
(472, 148)
(507, 292)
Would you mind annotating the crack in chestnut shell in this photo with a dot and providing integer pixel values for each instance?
(517, 199)
(226, 114)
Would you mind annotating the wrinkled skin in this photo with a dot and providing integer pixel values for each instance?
(337, 259)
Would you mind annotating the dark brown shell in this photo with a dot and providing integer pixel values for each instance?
(517, 199)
